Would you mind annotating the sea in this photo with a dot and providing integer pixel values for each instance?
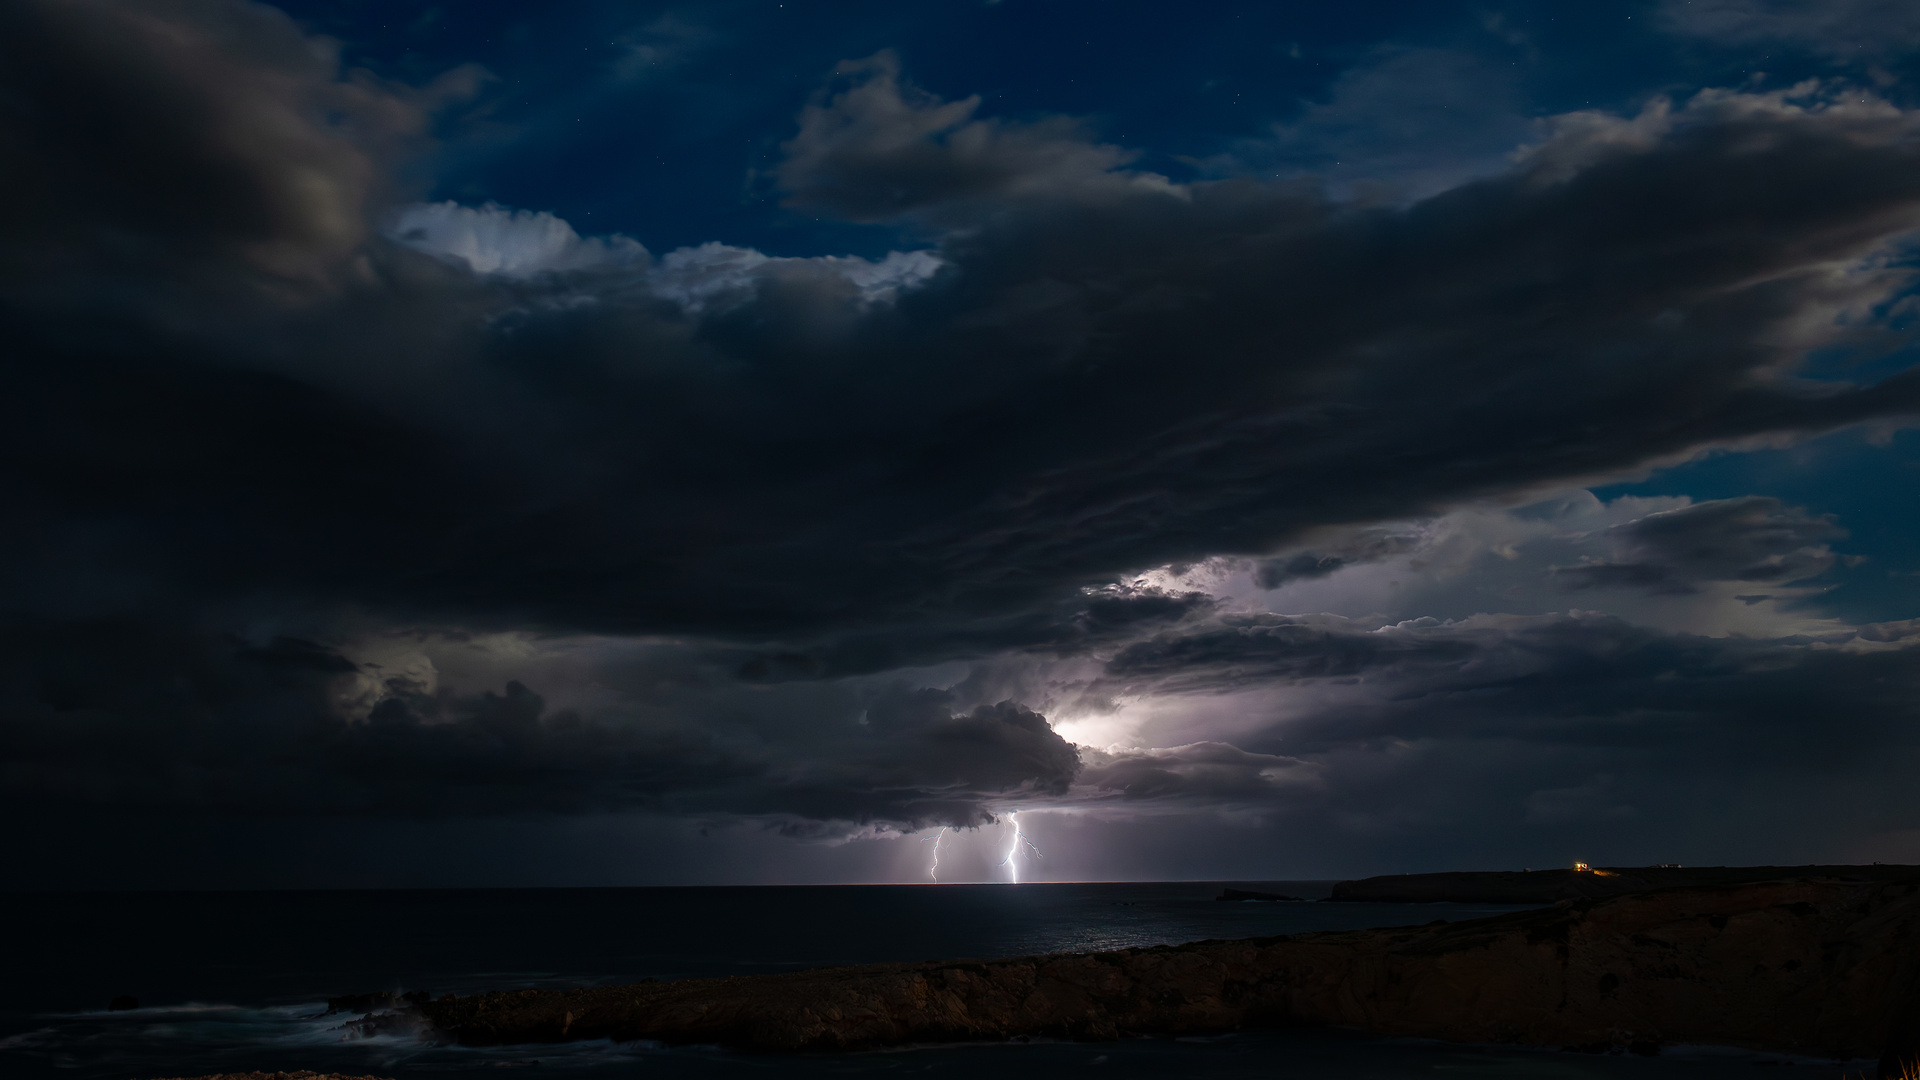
(233, 981)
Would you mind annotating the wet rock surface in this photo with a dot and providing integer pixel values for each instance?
(1809, 966)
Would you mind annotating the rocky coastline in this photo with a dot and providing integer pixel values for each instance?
(1821, 965)
(1582, 882)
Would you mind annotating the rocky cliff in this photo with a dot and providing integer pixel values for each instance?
(1810, 966)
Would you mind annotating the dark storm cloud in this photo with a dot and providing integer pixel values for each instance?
(1261, 648)
(1571, 723)
(130, 715)
(1752, 539)
(1106, 373)
(187, 137)
(1104, 376)
(1357, 547)
(1100, 618)
(139, 716)
(1211, 772)
(998, 747)
(1585, 678)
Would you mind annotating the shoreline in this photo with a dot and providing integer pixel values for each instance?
(1809, 965)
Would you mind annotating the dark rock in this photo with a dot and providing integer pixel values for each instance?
(1252, 894)
(399, 1022)
(1805, 966)
(122, 1003)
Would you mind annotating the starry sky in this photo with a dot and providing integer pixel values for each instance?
(756, 442)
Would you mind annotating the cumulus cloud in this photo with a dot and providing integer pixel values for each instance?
(492, 239)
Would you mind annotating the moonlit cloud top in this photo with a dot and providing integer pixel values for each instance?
(524, 244)
(720, 274)
(492, 239)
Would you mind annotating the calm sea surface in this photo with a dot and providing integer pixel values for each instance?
(235, 981)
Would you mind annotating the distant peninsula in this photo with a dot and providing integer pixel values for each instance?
(1813, 961)
(1583, 882)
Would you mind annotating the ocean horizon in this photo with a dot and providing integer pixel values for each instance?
(239, 980)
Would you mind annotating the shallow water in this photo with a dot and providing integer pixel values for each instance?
(232, 981)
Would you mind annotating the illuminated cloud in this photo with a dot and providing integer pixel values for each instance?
(516, 243)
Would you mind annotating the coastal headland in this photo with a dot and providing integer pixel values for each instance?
(1582, 882)
(1821, 964)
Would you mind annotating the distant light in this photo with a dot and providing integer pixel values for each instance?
(1580, 866)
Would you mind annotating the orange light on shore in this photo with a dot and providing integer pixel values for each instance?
(1581, 867)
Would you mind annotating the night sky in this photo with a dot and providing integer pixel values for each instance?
(597, 443)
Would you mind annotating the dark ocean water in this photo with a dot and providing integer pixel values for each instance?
(233, 981)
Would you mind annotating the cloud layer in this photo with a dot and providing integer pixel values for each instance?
(851, 531)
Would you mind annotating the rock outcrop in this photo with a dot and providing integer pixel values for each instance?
(1808, 966)
(1584, 883)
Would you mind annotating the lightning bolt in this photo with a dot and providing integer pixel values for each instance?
(1013, 847)
(934, 870)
